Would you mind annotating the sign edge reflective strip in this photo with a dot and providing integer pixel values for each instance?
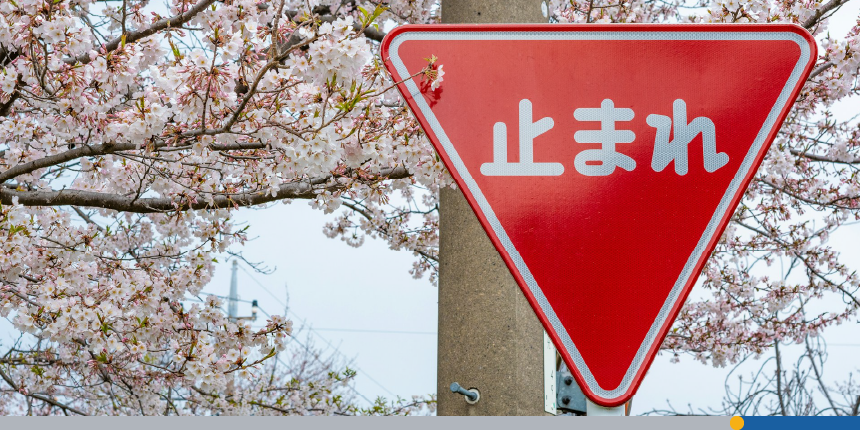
(713, 224)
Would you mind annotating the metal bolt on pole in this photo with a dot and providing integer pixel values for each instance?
(472, 395)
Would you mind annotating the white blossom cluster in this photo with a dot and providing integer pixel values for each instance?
(178, 117)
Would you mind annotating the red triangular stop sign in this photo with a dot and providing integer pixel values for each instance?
(604, 162)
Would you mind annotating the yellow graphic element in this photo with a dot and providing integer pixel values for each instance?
(737, 423)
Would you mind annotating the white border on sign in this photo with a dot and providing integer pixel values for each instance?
(711, 228)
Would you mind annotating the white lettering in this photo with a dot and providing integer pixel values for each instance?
(665, 151)
(528, 131)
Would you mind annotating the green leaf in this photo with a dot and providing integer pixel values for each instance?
(378, 11)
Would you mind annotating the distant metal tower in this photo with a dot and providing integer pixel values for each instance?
(287, 304)
(233, 301)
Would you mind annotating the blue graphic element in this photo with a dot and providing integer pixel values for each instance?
(801, 423)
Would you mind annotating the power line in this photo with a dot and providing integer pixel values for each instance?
(312, 330)
(307, 349)
(320, 361)
(333, 329)
(376, 331)
(342, 329)
(261, 285)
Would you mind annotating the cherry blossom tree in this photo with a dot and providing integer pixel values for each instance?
(158, 123)
(782, 386)
(132, 132)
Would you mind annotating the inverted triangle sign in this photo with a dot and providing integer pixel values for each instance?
(603, 161)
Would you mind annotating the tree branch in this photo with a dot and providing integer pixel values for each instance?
(818, 377)
(293, 190)
(324, 14)
(823, 158)
(833, 4)
(87, 218)
(104, 149)
(821, 69)
(788, 192)
(173, 22)
(779, 390)
(6, 107)
(52, 160)
(45, 399)
(369, 32)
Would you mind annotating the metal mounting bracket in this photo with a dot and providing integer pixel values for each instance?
(569, 398)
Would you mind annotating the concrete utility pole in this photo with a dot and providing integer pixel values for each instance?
(489, 337)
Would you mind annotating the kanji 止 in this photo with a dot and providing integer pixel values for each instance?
(676, 150)
(528, 131)
(607, 137)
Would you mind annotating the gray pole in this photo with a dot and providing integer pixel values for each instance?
(232, 302)
(489, 336)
